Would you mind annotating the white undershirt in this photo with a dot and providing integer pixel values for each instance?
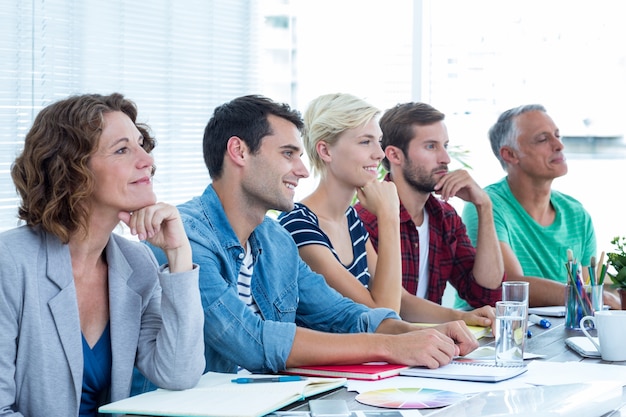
(424, 235)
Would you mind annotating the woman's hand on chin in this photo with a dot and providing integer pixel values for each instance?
(161, 225)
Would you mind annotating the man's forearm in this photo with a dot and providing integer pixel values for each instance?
(488, 264)
(314, 348)
(415, 309)
(544, 292)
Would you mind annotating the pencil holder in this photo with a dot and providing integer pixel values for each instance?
(580, 301)
(597, 291)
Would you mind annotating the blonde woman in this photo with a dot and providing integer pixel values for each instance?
(342, 139)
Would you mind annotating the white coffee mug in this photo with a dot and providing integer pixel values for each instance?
(611, 327)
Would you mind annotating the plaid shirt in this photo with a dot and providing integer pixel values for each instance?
(451, 254)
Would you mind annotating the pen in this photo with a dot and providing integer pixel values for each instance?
(266, 379)
(541, 322)
(529, 333)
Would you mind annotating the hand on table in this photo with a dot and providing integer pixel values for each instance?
(484, 316)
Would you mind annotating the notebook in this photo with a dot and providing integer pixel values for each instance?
(216, 396)
(468, 370)
(583, 346)
(367, 371)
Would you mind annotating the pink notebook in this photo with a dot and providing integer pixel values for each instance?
(368, 371)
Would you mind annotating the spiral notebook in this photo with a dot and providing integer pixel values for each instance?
(468, 370)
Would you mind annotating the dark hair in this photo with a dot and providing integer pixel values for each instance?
(398, 124)
(52, 174)
(505, 131)
(246, 118)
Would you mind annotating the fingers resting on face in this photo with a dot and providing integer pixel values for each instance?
(154, 222)
(458, 184)
(379, 195)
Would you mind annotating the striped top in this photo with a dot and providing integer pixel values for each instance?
(244, 281)
(304, 227)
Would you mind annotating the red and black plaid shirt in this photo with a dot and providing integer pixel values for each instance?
(451, 254)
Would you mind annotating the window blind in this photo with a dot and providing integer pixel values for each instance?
(176, 59)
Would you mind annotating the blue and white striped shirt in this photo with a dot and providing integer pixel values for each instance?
(303, 225)
(244, 280)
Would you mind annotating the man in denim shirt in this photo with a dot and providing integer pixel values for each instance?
(265, 310)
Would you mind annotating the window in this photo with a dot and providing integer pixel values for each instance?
(176, 59)
(569, 56)
(179, 59)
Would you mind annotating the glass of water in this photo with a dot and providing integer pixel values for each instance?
(511, 319)
(515, 291)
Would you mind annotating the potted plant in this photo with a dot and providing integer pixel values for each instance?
(617, 261)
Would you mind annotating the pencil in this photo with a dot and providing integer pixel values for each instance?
(592, 271)
(602, 274)
(600, 265)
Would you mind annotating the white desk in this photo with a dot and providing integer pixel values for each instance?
(549, 342)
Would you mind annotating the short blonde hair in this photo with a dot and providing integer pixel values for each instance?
(328, 116)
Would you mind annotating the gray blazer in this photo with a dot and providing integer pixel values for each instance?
(155, 324)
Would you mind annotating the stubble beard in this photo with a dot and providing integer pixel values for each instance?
(277, 202)
(266, 197)
(418, 179)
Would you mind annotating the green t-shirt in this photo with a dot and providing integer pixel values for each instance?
(541, 250)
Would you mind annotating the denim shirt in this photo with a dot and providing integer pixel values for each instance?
(287, 292)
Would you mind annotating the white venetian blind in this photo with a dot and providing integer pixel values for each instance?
(176, 59)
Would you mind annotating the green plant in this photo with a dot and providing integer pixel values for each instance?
(460, 155)
(617, 260)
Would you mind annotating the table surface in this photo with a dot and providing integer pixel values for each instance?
(549, 342)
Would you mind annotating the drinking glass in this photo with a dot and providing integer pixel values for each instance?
(511, 321)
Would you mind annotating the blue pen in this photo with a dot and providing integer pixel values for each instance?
(541, 322)
(289, 378)
(529, 333)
